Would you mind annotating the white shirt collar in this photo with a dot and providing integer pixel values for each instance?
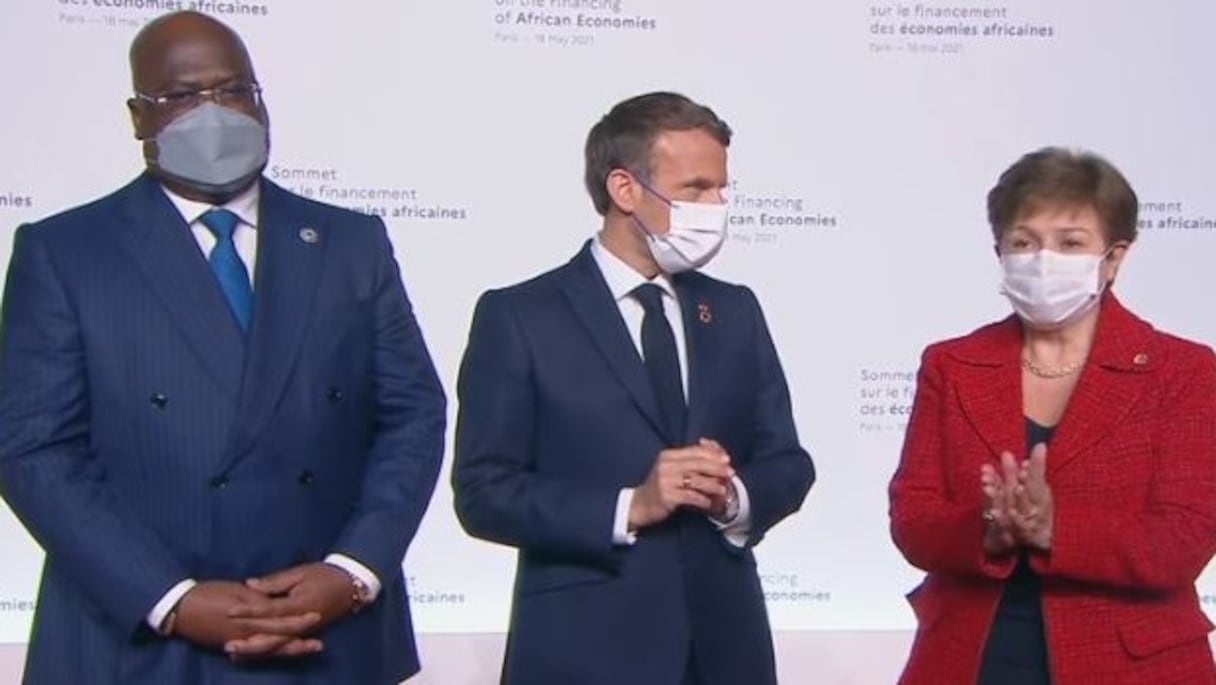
(623, 279)
(244, 205)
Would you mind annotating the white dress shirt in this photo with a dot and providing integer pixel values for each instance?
(245, 237)
(622, 280)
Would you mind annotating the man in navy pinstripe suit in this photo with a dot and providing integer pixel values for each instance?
(217, 413)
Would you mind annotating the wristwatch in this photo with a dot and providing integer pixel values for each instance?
(361, 594)
(730, 508)
(732, 505)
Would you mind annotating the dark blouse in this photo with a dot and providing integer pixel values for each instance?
(1016, 651)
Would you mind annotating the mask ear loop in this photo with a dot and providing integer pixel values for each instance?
(651, 235)
(646, 186)
(656, 238)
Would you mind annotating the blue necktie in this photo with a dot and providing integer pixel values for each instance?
(227, 265)
(662, 360)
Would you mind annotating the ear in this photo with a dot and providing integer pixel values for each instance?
(624, 190)
(1114, 260)
(264, 114)
(136, 109)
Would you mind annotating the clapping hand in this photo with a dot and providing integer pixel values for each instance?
(1033, 510)
(1018, 509)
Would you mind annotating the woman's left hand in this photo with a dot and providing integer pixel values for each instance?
(1033, 510)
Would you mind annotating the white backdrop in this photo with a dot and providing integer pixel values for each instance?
(867, 136)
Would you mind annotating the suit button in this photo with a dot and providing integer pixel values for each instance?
(305, 478)
(158, 400)
(334, 395)
(219, 482)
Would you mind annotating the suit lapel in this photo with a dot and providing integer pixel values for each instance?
(700, 344)
(1102, 398)
(157, 238)
(588, 294)
(291, 251)
(1111, 383)
(989, 389)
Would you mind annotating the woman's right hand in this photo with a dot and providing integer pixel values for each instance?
(998, 503)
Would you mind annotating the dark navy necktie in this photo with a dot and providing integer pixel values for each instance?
(662, 360)
(227, 265)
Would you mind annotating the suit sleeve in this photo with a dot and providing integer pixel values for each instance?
(498, 494)
(409, 417)
(779, 473)
(934, 529)
(1164, 543)
(49, 475)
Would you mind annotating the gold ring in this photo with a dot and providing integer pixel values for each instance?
(989, 516)
(687, 482)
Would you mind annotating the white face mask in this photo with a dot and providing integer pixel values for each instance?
(1048, 289)
(697, 231)
(695, 234)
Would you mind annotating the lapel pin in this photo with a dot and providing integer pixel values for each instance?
(1140, 359)
(703, 313)
(309, 235)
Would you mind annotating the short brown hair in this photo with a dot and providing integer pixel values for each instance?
(622, 139)
(1054, 176)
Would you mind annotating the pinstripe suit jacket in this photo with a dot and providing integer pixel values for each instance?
(144, 439)
(1132, 467)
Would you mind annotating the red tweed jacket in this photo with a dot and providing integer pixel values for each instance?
(1132, 467)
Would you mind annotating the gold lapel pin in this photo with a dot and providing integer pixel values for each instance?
(309, 235)
(703, 313)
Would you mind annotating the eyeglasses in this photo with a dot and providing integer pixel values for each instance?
(247, 94)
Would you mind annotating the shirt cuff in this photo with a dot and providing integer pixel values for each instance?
(156, 617)
(359, 571)
(738, 528)
(621, 534)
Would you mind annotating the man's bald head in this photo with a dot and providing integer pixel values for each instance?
(185, 42)
(179, 62)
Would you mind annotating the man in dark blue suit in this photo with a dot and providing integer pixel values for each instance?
(217, 413)
(624, 422)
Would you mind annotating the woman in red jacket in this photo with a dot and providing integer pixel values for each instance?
(1058, 479)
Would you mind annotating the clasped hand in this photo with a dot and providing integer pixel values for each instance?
(1018, 509)
(695, 476)
(274, 616)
